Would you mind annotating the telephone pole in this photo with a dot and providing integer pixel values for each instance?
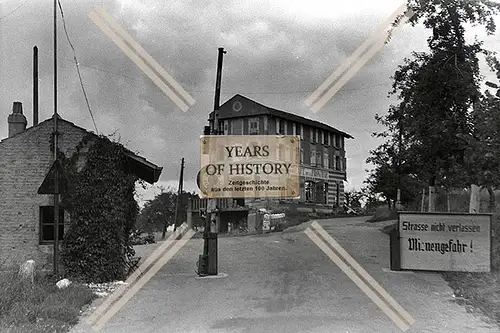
(179, 194)
(56, 173)
(208, 262)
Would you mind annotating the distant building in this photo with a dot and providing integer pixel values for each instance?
(322, 147)
(26, 156)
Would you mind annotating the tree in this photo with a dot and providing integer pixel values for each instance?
(353, 198)
(437, 91)
(484, 151)
(161, 210)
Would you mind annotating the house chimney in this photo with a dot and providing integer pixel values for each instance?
(17, 121)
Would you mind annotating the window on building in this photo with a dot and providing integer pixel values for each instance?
(301, 155)
(322, 137)
(253, 126)
(325, 160)
(301, 131)
(311, 134)
(313, 157)
(280, 126)
(328, 138)
(325, 193)
(317, 135)
(47, 224)
(309, 188)
(337, 163)
(342, 142)
(225, 128)
(337, 140)
(294, 128)
(318, 158)
(285, 127)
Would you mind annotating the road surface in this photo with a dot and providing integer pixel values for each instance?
(284, 283)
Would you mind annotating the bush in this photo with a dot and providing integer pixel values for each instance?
(100, 201)
(140, 238)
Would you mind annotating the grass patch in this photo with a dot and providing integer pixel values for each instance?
(383, 214)
(481, 291)
(40, 307)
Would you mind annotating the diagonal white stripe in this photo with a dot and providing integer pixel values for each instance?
(138, 61)
(348, 271)
(146, 55)
(357, 267)
(362, 61)
(132, 278)
(144, 279)
(380, 31)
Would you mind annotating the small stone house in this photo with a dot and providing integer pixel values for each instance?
(26, 217)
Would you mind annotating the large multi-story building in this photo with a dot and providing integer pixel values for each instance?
(322, 148)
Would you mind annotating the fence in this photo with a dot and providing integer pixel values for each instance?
(454, 200)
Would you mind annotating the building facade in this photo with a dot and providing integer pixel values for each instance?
(26, 156)
(322, 147)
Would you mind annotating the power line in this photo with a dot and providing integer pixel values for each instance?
(15, 10)
(77, 67)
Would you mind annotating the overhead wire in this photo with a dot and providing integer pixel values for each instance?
(15, 10)
(77, 65)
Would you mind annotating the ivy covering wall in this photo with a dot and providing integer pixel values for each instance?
(103, 211)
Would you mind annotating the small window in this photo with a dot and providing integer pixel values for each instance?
(253, 126)
(338, 163)
(313, 157)
(311, 134)
(301, 155)
(47, 224)
(285, 127)
(301, 132)
(337, 140)
(325, 160)
(316, 131)
(294, 128)
(318, 158)
(279, 127)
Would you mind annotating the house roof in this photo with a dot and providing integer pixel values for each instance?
(281, 114)
(138, 165)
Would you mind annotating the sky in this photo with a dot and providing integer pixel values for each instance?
(278, 53)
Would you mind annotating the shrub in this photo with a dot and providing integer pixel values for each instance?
(101, 204)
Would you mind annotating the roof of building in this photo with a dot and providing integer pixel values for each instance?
(141, 167)
(285, 115)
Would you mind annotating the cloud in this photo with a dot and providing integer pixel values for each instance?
(278, 52)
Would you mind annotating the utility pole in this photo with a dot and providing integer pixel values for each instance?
(179, 194)
(208, 264)
(56, 173)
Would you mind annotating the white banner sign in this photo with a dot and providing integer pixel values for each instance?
(445, 242)
(314, 174)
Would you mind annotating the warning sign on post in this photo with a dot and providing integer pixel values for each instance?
(445, 242)
(249, 166)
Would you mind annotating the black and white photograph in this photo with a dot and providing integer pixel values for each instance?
(247, 166)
